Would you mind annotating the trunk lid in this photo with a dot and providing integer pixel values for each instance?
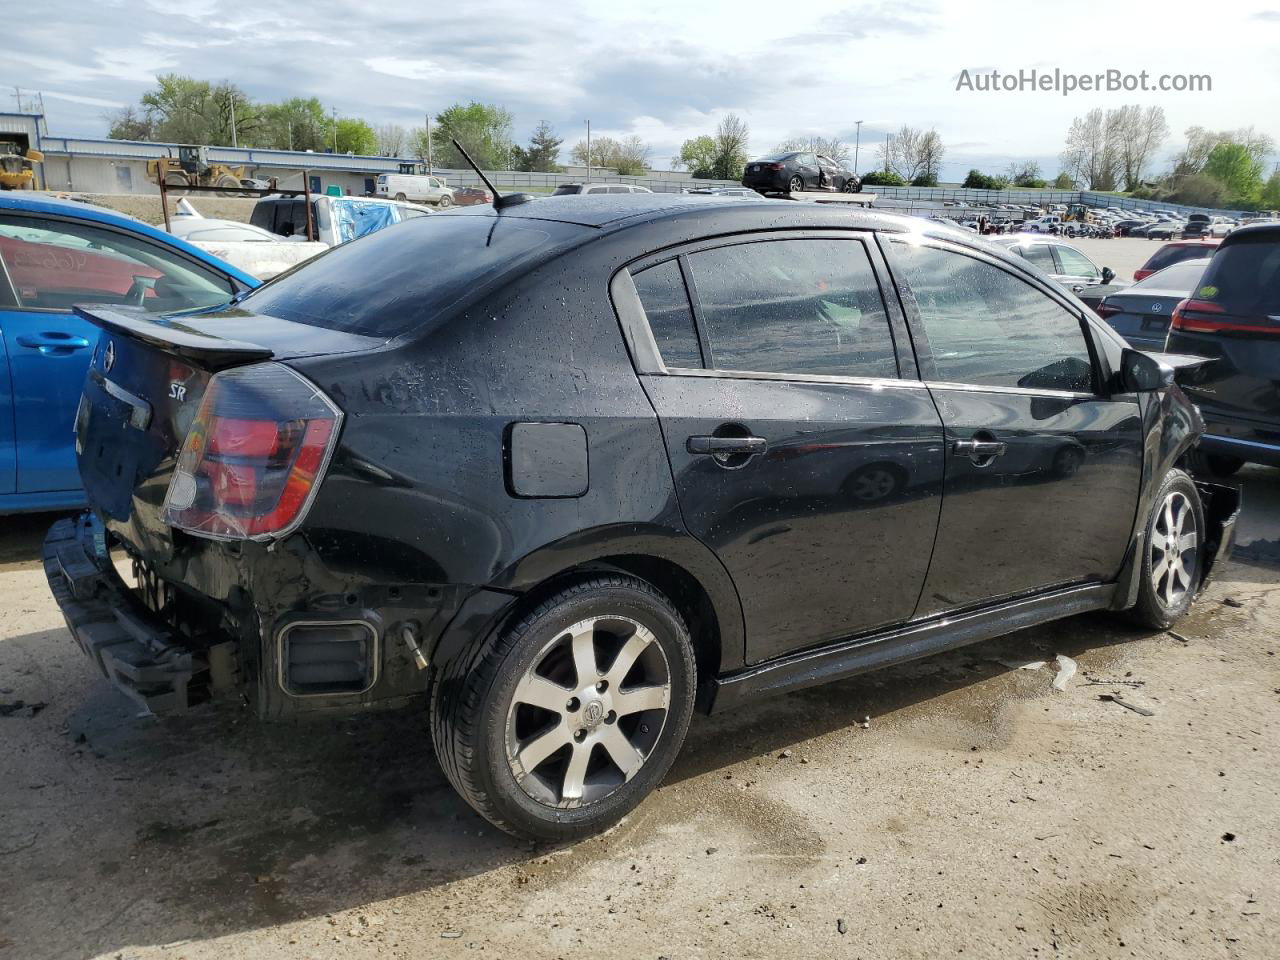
(146, 379)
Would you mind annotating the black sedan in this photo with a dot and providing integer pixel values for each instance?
(797, 171)
(814, 442)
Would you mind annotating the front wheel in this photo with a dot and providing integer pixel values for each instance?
(1171, 553)
(850, 185)
(445, 202)
(561, 724)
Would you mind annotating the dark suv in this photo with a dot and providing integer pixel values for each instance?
(799, 170)
(609, 458)
(1233, 317)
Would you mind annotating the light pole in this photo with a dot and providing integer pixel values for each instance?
(334, 111)
(232, 97)
(429, 170)
(857, 142)
(588, 151)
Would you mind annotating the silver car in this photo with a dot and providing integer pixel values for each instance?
(1059, 260)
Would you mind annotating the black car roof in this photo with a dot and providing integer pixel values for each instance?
(1249, 232)
(618, 210)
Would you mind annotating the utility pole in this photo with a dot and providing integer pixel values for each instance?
(857, 142)
(429, 161)
(335, 128)
(588, 151)
(888, 140)
(233, 120)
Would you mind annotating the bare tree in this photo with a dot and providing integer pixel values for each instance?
(1140, 133)
(1092, 154)
(392, 139)
(913, 154)
(731, 138)
(832, 147)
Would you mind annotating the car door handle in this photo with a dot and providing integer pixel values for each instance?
(979, 449)
(726, 446)
(53, 342)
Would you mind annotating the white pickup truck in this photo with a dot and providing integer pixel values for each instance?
(419, 186)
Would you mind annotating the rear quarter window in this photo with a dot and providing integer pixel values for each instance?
(399, 279)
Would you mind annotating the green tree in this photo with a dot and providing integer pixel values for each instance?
(129, 123)
(698, 156)
(543, 153)
(483, 129)
(1239, 171)
(731, 139)
(296, 124)
(628, 156)
(883, 178)
(1063, 181)
(356, 136)
(977, 180)
(1271, 192)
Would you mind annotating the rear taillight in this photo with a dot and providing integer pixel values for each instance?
(254, 456)
(1205, 316)
(1105, 310)
(773, 166)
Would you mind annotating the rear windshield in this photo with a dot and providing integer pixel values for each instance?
(1168, 256)
(776, 157)
(398, 279)
(1244, 276)
(1181, 276)
(567, 189)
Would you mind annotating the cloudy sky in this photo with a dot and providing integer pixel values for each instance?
(668, 69)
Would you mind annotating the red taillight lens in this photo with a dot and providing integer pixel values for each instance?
(1204, 316)
(253, 458)
(1105, 310)
(773, 166)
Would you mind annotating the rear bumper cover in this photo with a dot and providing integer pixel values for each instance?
(132, 646)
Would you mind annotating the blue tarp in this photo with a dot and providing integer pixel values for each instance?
(354, 217)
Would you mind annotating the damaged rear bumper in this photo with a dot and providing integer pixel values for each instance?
(130, 644)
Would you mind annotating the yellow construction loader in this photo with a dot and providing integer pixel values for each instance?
(17, 168)
(191, 168)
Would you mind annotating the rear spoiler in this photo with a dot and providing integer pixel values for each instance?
(168, 335)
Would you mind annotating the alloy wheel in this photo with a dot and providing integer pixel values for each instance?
(796, 185)
(588, 711)
(1174, 542)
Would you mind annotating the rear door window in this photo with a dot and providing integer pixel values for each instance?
(666, 306)
(987, 327)
(803, 306)
(1040, 255)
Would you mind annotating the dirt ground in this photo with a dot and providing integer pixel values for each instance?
(976, 812)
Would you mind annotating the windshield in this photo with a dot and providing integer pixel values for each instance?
(397, 280)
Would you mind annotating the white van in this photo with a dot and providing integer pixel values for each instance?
(419, 187)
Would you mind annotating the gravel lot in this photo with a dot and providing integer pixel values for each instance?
(979, 813)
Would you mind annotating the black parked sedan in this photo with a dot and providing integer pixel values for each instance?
(797, 171)
(607, 459)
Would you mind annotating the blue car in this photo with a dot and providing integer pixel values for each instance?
(55, 253)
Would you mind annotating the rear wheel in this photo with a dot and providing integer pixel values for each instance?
(560, 725)
(1171, 553)
(795, 184)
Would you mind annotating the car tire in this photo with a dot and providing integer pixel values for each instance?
(850, 185)
(445, 202)
(558, 770)
(1168, 580)
(401, 197)
(795, 184)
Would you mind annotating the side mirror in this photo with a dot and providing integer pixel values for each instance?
(1141, 372)
(1108, 274)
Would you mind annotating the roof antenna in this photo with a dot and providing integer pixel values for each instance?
(499, 201)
